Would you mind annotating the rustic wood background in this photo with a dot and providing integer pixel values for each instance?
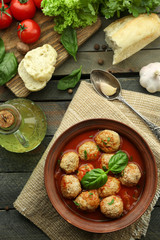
(15, 169)
(48, 35)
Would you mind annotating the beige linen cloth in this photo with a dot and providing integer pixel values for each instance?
(33, 201)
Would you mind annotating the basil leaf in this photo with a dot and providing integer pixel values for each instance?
(2, 50)
(71, 80)
(118, 162)
(94, 179)
(69, 41)
(8, 68)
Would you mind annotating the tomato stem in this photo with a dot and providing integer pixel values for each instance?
(3, 10)
(21, 29)
(23, 1)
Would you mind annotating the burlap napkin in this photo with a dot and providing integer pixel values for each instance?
(33, 201)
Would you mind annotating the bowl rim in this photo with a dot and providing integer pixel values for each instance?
(79, 221)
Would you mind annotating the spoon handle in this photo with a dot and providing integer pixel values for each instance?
(155, 129)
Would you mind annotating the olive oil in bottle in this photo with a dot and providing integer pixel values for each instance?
(22, 125)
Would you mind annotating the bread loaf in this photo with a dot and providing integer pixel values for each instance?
(129, 34)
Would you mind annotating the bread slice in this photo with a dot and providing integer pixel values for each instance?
(129, 34)
(39, 62)
(30, 83)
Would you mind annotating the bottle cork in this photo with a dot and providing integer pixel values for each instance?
(6, 119)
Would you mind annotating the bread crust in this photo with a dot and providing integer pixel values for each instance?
(129, 34)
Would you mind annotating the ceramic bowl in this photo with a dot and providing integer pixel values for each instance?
(150, 176)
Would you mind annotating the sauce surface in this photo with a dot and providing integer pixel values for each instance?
(129, 195)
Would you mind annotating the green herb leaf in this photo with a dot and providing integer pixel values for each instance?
(94, 179)
(131, 158)
(76, 203)
(8, 68)
(85, 154)
(69, 41)
(70, 81)
(104, 142)
(2, 50)
(118, 162)
(91, 136)
(98, 148)
(104, 168)
(112, 201)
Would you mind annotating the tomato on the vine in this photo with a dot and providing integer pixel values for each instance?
(5, 16)
(38, 3)
(28, 31)
(23, 9)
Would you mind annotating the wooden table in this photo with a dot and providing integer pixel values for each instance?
(15, 169)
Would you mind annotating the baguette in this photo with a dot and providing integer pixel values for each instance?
(129, 34)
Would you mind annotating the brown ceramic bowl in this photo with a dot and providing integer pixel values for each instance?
(148, 190)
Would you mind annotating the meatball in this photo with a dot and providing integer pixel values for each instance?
(111, 187)
(104, 160)
(70, 162)
(112, 206)
(108, 141)
(70, 186)
(88, 151)
(83, 169)
(88, 201)
(131, 175)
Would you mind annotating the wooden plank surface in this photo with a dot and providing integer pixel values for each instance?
(49, 36)
(90, 62)
(51, 93)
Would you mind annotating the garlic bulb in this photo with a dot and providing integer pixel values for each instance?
(150, 77)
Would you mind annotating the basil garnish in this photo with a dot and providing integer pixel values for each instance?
(97, 177)
(70, 81)
(8, 68)
(94, 179)
(69, 41)
(118, 162)
(2, 50)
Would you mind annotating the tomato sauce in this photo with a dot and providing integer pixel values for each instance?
(129, 195)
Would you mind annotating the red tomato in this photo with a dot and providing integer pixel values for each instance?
(38, 3)
(28, 31)
(5, 19)
(5, 1)
(23, 9)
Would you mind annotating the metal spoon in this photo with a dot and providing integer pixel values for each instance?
(99, 78)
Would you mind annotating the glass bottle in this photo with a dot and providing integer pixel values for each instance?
(22, 125)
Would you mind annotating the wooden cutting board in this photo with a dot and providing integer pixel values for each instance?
(48, 35)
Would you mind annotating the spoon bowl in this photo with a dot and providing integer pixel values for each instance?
(109, 87)
(99, 77)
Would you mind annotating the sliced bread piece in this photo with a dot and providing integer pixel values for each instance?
(30, 83)
(39, 63)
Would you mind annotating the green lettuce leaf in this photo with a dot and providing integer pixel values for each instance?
(81, 13)
(74, 13)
